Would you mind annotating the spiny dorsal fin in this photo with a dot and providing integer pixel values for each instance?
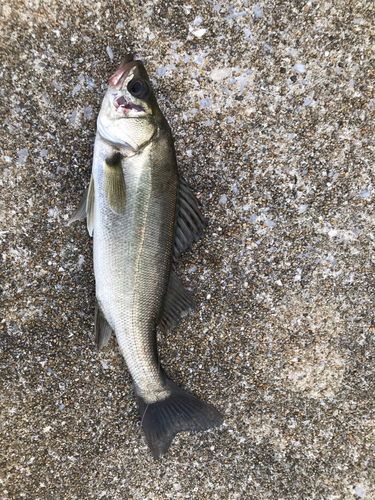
(80, 212)
(190, 223)
(114, 184)
(103, 330)
(178, 302)
(90, 206)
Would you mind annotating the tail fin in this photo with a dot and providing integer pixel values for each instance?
(181, 411)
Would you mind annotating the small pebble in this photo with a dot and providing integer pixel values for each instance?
(257, 11)
(269, 223)
(301, 68)
(161, 71)
(109, 52)
(364, 194)
(360, 492)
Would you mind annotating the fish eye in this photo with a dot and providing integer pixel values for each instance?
(138, 88)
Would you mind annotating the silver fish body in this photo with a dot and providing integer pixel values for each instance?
(142, 216)
(132, 256)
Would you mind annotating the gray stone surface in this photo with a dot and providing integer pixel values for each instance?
(272, 108)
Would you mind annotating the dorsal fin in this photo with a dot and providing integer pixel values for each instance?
(190, 223)
(178, 302)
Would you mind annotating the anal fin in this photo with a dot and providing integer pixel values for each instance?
(103, 330)
(178, 302)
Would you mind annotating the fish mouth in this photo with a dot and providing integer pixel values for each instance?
(119, 76)
(126, 106)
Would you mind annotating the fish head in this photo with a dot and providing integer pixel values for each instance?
(131, 89)
(129, 113)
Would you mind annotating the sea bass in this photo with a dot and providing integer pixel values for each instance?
(142, 216)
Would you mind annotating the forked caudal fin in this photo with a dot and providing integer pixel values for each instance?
(181, 411)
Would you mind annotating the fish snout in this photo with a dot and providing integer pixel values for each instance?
(120, 75)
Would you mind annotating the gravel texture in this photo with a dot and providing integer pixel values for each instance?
(272, 109)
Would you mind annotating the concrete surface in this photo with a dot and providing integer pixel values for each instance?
(272, 108)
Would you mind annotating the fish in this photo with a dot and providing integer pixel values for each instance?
(142, 215)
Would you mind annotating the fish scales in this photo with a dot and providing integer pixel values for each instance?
(142, 216)
(132, 257)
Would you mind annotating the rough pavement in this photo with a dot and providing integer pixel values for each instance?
(272, 108)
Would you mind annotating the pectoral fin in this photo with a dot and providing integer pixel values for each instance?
(103, 330)
(80, 212)
(86, 208)
(90, 206)
(114, 184)
(178, 302)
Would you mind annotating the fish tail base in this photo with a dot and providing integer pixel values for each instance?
(181, 411)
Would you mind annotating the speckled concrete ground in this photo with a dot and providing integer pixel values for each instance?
(272, 108)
